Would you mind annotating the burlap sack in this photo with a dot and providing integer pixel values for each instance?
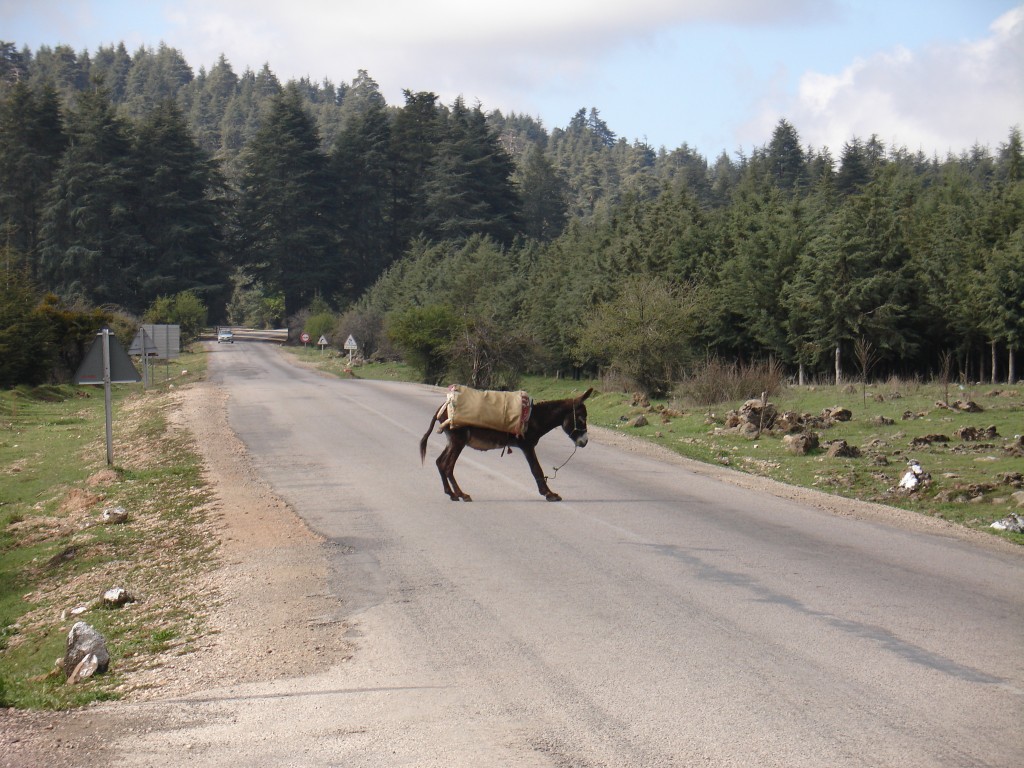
(501, 411)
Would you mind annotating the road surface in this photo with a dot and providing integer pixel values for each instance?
(656, 617)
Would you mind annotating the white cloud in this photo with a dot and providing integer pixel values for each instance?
(499, 53)
(938, 99)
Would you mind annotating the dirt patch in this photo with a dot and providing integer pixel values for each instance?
(267, 607)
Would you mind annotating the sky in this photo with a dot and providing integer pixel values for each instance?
(938, 76)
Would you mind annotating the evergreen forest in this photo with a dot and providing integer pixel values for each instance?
(484, 245)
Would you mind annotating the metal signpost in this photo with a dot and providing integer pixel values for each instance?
(144, 346)
(107, 363)
(351, 346)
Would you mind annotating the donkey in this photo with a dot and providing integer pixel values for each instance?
(570, 414)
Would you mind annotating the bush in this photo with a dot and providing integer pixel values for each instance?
(184, 309)
(322, 324)
(423, 334)
(486, 356)
(645, 333)
(718, 382)
(367, 328)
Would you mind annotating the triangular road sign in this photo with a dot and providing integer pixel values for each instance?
(122, 370)
(143, 345)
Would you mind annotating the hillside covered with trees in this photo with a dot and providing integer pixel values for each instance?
(481, 245)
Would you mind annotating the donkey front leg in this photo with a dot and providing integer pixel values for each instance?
(538, 474)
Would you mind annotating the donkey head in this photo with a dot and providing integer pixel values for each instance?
(575, 421)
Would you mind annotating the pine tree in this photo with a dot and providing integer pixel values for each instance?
(287, 234)
(542, 190)
(89, 239)
(360, 165)
(112, 66)
(415, 134)
(179, 214)
(31, 143)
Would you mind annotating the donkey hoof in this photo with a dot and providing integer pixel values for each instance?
(553, 497)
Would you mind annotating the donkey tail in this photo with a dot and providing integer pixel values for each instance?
(423, 440)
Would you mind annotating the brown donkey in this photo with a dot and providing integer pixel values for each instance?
(570, 414)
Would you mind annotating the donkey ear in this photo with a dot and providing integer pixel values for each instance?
(586, 394)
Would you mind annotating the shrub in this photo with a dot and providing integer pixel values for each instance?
(322, 324)
(719, 382)
(184, 309)
(645, 333)
(423, 334)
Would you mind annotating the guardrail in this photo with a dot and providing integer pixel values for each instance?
(273, 335)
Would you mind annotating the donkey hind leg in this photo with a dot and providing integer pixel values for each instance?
(446, 466)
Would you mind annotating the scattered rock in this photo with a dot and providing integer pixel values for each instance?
(115, 597)
(882, 421)
(749, 430)
(840, 449)
(914, 478)
(637, 421)
(1018, 497)
(800, 443)
(967, 406)
(976, 433)
(640, 400)
(837, 413)
(84, 641)
(971, 493)
(86, 668)
(925, 440)
(113, 515)
(759, 413)
(1015, 479)
(1013, 523)
(790, 421)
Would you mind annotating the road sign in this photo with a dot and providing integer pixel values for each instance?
(143, 345)
(323, 341)
(167, 339)
(304, 337)
(107, 363)
(350, 342)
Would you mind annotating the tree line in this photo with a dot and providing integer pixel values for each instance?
(481, 244)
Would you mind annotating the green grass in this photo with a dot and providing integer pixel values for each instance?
(967, 477)
(52, 439)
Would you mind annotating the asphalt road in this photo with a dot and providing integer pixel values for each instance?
(655, 617)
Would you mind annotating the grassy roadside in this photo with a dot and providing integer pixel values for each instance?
(972, 481)
(57, 554)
